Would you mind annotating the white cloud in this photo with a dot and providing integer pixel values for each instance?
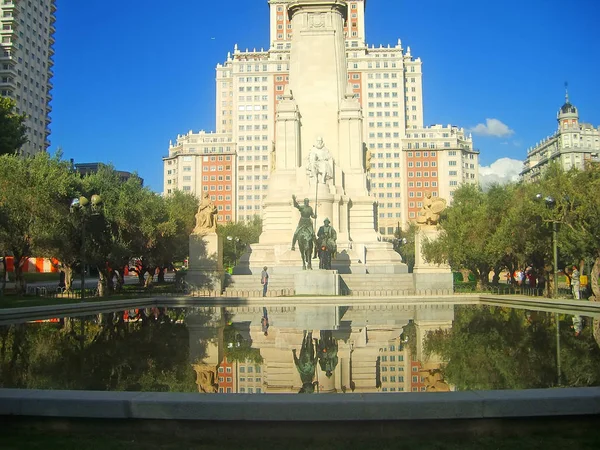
(492, 127)
(501, 171)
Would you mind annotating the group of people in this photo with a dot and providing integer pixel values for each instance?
(529, 277)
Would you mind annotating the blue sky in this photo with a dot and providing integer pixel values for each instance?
(131, 75)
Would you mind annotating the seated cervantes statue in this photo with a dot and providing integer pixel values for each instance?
(206, 217)
(430, 212)
(320, 162)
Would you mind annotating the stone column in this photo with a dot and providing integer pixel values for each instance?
(430, 276)
(318, 68)
(205, 270)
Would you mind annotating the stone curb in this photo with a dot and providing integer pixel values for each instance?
(287, 408)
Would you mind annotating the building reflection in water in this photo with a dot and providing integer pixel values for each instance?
(361, 348)
(309, 349)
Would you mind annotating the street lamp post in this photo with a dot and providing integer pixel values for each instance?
(551, 203)
(83, 206)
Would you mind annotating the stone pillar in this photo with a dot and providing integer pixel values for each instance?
(427, 275)
(318, 68)
(205, 269)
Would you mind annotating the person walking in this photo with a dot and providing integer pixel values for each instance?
(575, 283)
(264, 280)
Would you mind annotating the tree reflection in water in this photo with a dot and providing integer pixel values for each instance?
(104, 352)
(361, 348)
(491, 347)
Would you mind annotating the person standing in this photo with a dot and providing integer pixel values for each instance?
(575, 283)
(264, 280)
(264, 322)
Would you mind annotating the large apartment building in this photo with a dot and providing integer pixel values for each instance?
(200, 163)
(572, 145)
(26, 64)
(387, 80)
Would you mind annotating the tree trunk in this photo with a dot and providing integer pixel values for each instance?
(496, 277)
(161, 275)
(594, 280)
(483, 277)
(110, 285)
(120, 280)
(148, 281)
(465, 274)
(3, 274)
(20, 284)
(102, 282)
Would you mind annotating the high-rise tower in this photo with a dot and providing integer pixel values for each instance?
(26, 64)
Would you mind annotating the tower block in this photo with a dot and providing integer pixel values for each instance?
(319, 103)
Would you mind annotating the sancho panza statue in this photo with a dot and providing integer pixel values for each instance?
(305, 227)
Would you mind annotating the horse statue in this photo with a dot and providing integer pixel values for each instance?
(304, 234)
(305, 243)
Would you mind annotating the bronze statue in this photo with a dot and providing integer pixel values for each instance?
(206, 217)
(326, 245)
(327, 352)
(304, 234)
(306, 364)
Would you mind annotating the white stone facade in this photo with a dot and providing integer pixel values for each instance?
(386, 80)
(27, 37)
(250, 84)
(572, 145)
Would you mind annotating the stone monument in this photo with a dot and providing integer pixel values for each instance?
(427, 275)
(205, 268)
(319, 154)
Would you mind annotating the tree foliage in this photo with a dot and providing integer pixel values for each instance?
(13, 132)
(236, 236)
(133, 223)
(510, 227)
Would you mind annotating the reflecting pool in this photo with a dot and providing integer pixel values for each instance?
(393, 348)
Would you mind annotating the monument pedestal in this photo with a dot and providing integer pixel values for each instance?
(205, 267)
(427, 275)
(317, 282)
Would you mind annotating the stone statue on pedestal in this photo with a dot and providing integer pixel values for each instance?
(430, 212)
(206, 217)
(320, 163)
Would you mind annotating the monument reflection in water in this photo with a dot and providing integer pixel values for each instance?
(306, 349)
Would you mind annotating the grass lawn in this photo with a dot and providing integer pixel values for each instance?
(21, 437)
(11, 300)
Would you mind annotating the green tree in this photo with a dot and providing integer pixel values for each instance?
(465, 230)
(404, 244)
(242, 234)
(34, 193)
(13, 132)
